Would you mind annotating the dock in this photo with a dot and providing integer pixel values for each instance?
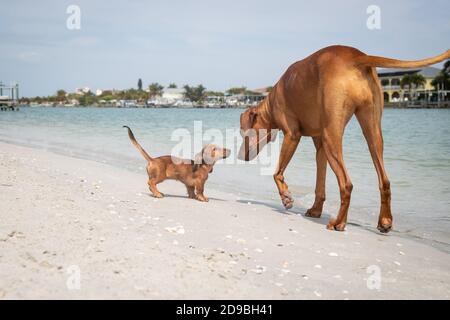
(9, 96)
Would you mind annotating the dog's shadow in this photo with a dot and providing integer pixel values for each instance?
(183, 197)
(298, 211)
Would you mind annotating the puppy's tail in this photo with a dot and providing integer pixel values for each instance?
(374, 61)
(137, 145)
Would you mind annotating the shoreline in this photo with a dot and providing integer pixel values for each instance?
(274, 203)
(59, 212)
(445, 105)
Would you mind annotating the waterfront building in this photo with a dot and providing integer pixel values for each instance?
(393, 92)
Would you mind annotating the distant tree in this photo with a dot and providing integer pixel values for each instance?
(140, 84)
(236, 90)
(214, 93)
(411, 80)
(269, 88)
(195, 94)
(446, 68)
(443, 78)
(87, 99)
(106, 93)
(242, 90)
(172, 86)
(61, 95)
(155, 89)
(252, 93)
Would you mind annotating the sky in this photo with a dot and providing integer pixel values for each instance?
(219, 44)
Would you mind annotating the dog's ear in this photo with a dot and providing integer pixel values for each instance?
(199, 159)
(248, 118)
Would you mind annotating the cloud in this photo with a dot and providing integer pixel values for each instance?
(217, 43)
(29, 56)
(83, 41)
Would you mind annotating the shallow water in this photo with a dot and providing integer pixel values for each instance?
(417, 159)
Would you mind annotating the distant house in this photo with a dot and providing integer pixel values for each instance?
(82, 91)
(264, 91)
(390, 82)
(172, 95)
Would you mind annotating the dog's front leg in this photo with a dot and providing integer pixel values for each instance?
(191, 192)
(199, 188)
(290, 143)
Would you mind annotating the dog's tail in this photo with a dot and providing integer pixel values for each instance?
(374, 61)
(137, 145)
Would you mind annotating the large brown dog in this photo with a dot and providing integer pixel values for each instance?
(193, 173)
(316, 97)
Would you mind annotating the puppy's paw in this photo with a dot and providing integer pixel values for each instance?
(158, 195)
(201, 198)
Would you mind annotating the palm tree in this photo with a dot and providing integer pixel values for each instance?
(411, 80)
(195, 94)
(155, 89)
(443, 78)
(446, 68)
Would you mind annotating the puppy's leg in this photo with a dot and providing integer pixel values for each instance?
(200, 187)
(152, 186)
(191, 191)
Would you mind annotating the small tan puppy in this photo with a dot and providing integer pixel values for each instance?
(192, 173)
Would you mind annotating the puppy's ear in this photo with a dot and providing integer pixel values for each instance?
(198, 160)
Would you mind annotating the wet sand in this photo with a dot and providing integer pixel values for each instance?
(61, 215)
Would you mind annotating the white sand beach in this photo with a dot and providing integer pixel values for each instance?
(59, 213)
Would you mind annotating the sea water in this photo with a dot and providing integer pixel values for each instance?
(416, 154)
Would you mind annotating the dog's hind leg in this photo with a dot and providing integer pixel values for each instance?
(371, 126)
(336, 115)
(152, 186)
(321, 162)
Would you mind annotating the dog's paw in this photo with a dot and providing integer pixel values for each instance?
(287, 200)
(313, 213)
(333, 225)
(384, 225)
